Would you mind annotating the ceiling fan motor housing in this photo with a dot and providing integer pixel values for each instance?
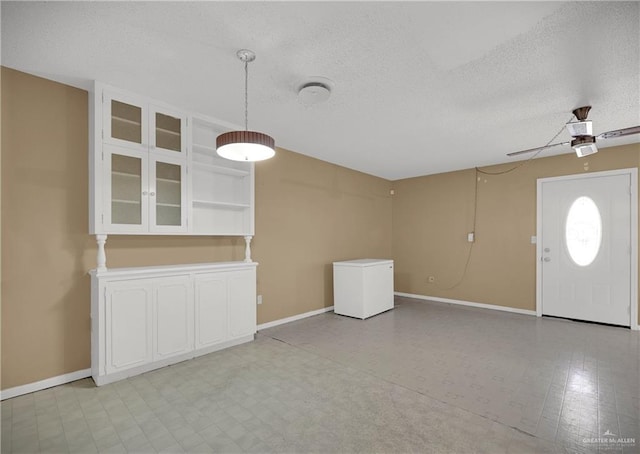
(581, 112)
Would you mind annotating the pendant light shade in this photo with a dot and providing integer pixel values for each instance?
(245, 145)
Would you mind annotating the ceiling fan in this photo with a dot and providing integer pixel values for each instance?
(583, 141)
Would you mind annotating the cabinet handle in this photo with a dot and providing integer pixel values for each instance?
(144, 192)
(152, 194)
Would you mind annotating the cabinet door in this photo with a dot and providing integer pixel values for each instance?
(242, 303)
(125, 189)
(167, 195)
(172, 317)
(128, 324)
(168, 131)
(210, 309)
(125, 121)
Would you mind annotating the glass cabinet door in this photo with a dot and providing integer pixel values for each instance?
(126, 190)
(125, 122)
(168, 131)
(168, 195)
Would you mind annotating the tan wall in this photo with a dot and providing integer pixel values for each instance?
(309, 214)
(44, 310)
(433, 214)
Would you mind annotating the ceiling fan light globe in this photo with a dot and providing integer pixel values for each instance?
(585, 150)
(580, 128)
(584, 145)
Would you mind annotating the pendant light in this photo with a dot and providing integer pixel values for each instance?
(245, 145)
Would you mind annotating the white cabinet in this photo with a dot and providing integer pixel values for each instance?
(241, 290)
(211, 309)
(225, 306)
(154, 170)
(128, 324)
(134, 122)
(172, 317)
(146, 318)
(138, 165)
(362, 288)
(143, 192)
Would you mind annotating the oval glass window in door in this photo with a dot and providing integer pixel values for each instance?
(583, 231)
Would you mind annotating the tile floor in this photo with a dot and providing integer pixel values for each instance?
(425, 377)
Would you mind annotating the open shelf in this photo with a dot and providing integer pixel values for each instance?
(210, 203)
(222, 170)
(204, 149)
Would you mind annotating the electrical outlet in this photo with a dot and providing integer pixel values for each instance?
(471, 237)
(259, 299)
(431, 279)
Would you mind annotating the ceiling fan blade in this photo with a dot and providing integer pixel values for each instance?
(619, 132)
(531, 150)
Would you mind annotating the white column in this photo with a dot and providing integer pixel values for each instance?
(102, 256)
(247, 249)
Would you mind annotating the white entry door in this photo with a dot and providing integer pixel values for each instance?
(585, 254)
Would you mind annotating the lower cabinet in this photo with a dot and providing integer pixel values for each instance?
(172, 317)
(128, 324)
(146, 318)
(212, 309)
(242, 304)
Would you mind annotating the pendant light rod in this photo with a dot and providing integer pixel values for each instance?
(246, 56)
(246, 95)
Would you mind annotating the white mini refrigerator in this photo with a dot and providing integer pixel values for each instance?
(362, 288)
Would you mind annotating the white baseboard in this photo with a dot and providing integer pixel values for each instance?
(467, 303)
(44, 384)
(293, 318)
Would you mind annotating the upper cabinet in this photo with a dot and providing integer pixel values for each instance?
(144, 192)
(131, 121)
(154, 170)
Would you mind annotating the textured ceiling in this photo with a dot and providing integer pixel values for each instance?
(419, 87)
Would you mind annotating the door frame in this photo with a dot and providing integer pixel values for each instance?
(633, 174)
